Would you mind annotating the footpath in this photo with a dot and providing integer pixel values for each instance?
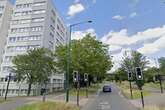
(155, 99)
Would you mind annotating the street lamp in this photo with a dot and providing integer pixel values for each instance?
(68, 57)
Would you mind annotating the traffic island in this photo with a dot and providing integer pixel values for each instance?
(49, 106)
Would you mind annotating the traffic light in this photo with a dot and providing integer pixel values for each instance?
(85, 77)
(6, 79)
(129, 75)
(139, 74)
(75, 76)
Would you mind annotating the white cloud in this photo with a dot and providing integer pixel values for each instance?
(122, 37)
(151, 48)
(117, 58)
(80, 34)
(132, 15)
(113, 48)
(75, 9)
(149, 42)
(118, 17)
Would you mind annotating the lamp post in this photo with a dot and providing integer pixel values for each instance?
(69, 57)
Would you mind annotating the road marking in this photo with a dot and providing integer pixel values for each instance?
(104, 106)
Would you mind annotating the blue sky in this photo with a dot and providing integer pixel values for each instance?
(123, 24)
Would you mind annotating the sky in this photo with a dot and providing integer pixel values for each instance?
(122, 24)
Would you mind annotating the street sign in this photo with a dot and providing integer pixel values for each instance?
(139, 74)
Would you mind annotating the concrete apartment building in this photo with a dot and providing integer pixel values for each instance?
(5, 16)
(34, 24)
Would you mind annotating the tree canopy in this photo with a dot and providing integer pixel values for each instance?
(34, 67)
(88, 55)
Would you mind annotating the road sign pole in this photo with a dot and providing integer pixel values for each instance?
(131, 89)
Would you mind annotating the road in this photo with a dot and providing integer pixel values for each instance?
(109, 101)
(11, 105)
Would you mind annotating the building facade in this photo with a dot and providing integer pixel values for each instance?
(34, 24)
(5, 16)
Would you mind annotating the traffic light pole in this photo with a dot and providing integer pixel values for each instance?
(68, 64)
(78, 89)
(7, 86)
(87, 89)
(142, 98)
(130, 84)
(161, 87)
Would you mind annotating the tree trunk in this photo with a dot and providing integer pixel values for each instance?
(29, 89)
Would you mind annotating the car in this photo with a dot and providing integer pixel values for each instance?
(107, 88)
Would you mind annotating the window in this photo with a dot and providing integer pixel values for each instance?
(12, 39)
(10, 49)
(0, 15)
(8, 59)
(6, 69)
(39, 3)
(39, 28)
(50, 45)
(54, 14)
(17, 14)
(25, 21)
(1, 8)
(37, 19)
(52, 28)
(15, 22)
(38, 11)
(24, 5)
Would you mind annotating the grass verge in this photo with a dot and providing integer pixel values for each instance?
(136, 93)
(3, 101)
(49, 106)
(91, 90)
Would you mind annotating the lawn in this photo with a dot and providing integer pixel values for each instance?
(49, 106)
(126, 90)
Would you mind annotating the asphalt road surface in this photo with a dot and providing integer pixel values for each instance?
(109, 101)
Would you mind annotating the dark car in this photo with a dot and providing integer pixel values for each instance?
(107, 88)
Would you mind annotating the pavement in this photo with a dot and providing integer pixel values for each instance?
(109, 101)
(15, 103)
(156, 99)
(21, 101)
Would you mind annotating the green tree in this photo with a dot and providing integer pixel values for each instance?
(121, 74)
(136, 60)
(150, 73)
(88, 55)
(162, 64)
(34, 67)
